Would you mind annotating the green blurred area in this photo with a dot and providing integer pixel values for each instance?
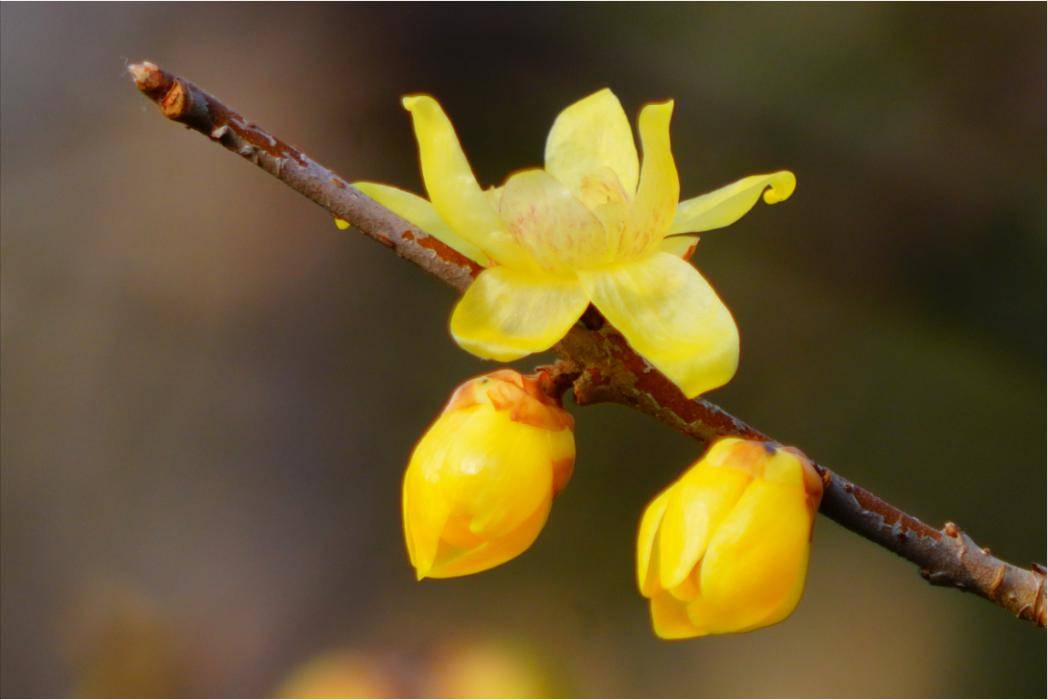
(209, 392)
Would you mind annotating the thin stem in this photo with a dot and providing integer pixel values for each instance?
(597, 363)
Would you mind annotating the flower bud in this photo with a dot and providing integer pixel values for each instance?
(481, 480)
(725, 547)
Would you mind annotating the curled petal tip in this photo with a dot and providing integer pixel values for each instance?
(664, 105)
(780, 188)
(413, 102)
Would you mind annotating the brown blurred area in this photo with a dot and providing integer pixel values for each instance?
(209, 392)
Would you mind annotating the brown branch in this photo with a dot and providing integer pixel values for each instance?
(598, 363)
(611, 371)
(185, 103)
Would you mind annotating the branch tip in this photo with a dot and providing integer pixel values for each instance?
(150, 79)
(140, 72)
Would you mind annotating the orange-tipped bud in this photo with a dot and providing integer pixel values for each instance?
(725, 547)
(481, 480)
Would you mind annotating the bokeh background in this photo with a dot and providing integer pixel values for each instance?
(209, 392)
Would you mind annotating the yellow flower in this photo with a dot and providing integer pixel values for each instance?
(342, 673)
(594, 226)
(481, 481)
(725, 548)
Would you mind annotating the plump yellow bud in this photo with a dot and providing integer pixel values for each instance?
(481, 481)
(725, 547)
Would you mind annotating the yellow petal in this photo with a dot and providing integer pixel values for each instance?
(671, 316)
(670, 619)
(452, 188)
(424, 512)
(603, 195)
(556, 229)
(601, 186)
(646, 537)
(679, 246)
(688, 589)
(590, 134)
(506, 314)
(562, 452)
(728, 204)
(420, 212)
(494, 552)
(497, 472)
(493, 195)
(754, 569)
(699, 503)
(658, 188)
(748, 456)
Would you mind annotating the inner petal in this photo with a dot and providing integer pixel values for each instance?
(603, 194)
(658, 189)
(592, 133)
(551, 224)
(601, 186)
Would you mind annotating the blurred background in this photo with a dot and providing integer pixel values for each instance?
(210, 393)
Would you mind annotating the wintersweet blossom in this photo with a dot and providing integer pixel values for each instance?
(595, 225)
(480, 482)
(725, 547)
